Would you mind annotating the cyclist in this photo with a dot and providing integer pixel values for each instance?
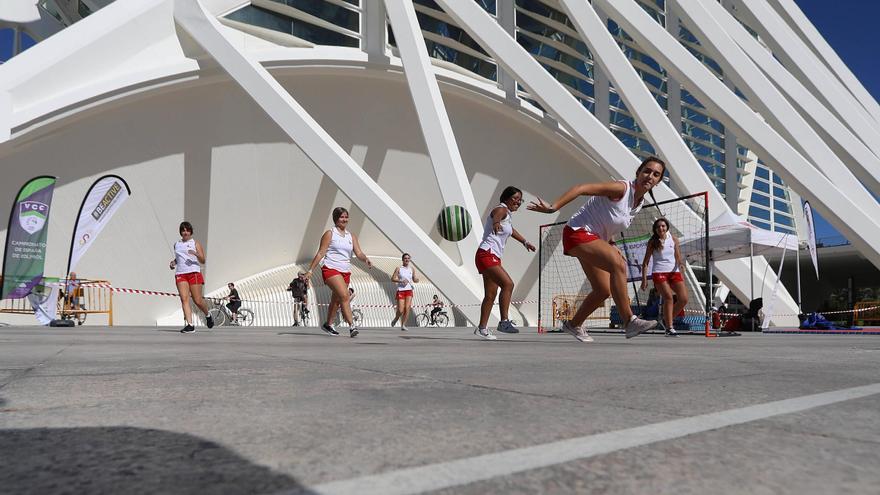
(72, 292)
(437, 307)
(299, 290)
(234, 302)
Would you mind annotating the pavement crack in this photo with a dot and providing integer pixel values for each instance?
(26, 371)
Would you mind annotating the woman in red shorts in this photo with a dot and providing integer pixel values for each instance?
(496, 231)
(610, 209)
(404, 276)
(189, 255)
(665, 271)
(337, 245)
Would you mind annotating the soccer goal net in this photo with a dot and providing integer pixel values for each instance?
(562, 285)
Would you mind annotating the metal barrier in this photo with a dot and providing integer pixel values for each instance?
(866, 311)
(89, 297)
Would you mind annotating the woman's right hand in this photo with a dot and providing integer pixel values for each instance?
(644, 284)
(172, 265)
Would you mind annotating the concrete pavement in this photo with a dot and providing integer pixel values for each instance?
(269, 410)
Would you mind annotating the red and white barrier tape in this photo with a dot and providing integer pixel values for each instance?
(126, 290)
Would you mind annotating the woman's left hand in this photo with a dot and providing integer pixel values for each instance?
(529, 246)
(540, 206)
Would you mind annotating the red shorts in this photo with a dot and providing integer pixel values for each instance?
(329, 272)
(572, 237)
(485, 259)
(403, 294)
(667, 277)
(194, 278)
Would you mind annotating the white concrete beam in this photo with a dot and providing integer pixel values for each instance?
(767, 100)
(456, 283)
(596, 138)
(802, 62)
(452, 179)
(829, 56)
(797, 172)
(864, 160)
(683, 166)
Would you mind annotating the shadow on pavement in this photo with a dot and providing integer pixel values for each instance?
(128, 460)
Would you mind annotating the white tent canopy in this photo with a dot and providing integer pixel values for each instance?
(731, 236)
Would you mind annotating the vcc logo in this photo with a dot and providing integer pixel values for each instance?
(32, 216)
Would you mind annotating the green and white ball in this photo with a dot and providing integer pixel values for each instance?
(454, 223)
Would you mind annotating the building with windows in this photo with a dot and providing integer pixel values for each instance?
(264, 114)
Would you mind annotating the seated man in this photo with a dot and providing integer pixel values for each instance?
(72, 293)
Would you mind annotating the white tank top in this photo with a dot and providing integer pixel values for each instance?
(493, 242)
(664, 258)
(404, 274)
(338, 255)
(605, 217)
(185, 262)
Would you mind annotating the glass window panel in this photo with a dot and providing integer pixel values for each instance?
(760, 224)
(6, 37)
(761, 200)
(784, 220)
(762, 186)
(762, 173)
(779, 192)
(757, 212)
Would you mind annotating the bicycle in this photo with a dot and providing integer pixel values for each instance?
(221, 315)
(440, 319)
(304, 313)
(357, 316)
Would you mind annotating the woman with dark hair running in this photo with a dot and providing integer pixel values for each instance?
(187, 265)
(337, 245)
(496, 231)
(666, 272)
(404, 276)
(610, 209)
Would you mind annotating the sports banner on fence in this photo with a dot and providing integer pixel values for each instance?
(633, 250)
(811, 235)
(99, 204)
(25, 253)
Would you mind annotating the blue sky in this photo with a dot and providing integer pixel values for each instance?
(847, 25)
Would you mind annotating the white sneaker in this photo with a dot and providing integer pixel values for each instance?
(577, 332)
(485, 333)
(670, 332)
(638, 326)
(403, 328)
(505, 326)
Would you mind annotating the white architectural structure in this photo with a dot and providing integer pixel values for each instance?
(253, 119)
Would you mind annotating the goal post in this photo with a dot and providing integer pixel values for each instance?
(562, 285)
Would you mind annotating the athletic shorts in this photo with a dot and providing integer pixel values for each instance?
(194, 278)
(572, 237)
(485, 259)
(666, 277)
(403, 294)
(233, 306)
(329, 272)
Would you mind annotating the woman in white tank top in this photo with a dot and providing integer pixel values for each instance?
(189, 255)
(496, 231)
(610, 208)
(404, 276)
(666, 271)
(336, 248)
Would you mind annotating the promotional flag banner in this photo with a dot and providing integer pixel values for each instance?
(44, 300)
(99, 204)
(25, 253)
(633, 249)
(811, 235)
